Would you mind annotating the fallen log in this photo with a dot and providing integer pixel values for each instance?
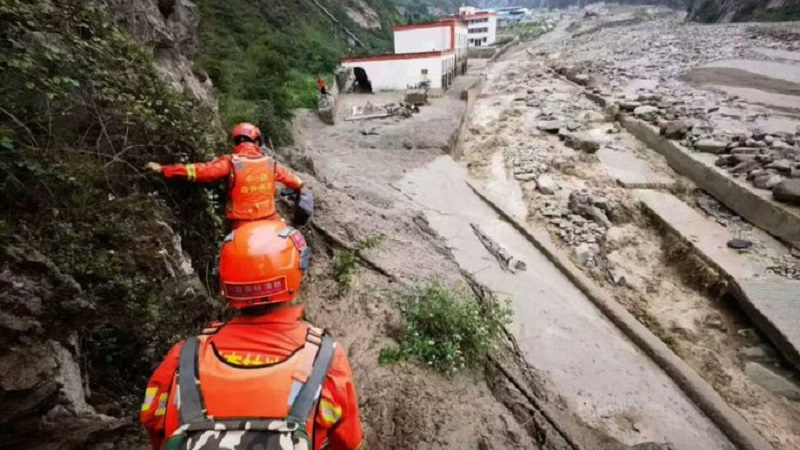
(507, 261)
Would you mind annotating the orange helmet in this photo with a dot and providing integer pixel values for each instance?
(246, 132)
(262, 262)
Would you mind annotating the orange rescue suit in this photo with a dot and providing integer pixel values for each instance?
(250, 341)
(250, 176)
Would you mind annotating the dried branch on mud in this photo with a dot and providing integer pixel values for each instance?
(484, 294)
(507, 262)
(330, 237)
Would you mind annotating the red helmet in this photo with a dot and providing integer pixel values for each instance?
(246, 132)
(262, 262)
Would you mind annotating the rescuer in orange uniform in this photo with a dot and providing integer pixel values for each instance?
(249, 369)
(323, 88)
(250, 176)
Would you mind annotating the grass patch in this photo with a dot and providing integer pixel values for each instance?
(343, 266)
(446, 329)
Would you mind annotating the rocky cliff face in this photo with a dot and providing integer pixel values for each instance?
(170, 29)
(42, 389)
(94, 277)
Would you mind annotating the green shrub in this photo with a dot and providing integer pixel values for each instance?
(448, 330)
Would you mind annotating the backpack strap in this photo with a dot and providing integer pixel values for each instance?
(309, 393)
(190, 406)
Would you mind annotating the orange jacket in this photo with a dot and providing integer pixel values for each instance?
(242, 203)
(321, 83)
(257, 340)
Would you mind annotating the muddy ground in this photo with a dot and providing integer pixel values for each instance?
(578, 172)
(356, 169)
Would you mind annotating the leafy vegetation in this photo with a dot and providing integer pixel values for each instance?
(343, 266)
(779, 14)
(448, 330)
(82, 110)
(264, 55)
(526, 31)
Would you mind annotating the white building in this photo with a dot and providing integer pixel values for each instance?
(432, 53)
(447, 34)
(482, 25)
(400, 71)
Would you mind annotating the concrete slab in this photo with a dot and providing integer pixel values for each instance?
(602, 375)
(773, 304)
(709, 238)
(631, 171)
(756, 206)
(775, 307)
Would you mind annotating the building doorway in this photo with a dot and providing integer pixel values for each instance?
(362, 84)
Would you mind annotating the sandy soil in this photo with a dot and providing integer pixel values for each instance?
(659, 287)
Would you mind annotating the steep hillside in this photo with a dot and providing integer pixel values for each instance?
(96, 275)
(423, 10)
(744, 10)
(263, 55)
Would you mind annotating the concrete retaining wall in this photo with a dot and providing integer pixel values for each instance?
(730, 422)
(481, 52)
(781, 221)
(504, 49)
(469, 95)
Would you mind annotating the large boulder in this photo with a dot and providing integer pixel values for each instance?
(546, 184)
(326, 108)
(710, 146)
(646, 112)
(787, 191)
(550, 126)
(584, 141)
(674, 129)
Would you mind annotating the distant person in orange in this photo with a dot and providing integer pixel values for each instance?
(250, 177)
(323, 88)
(264, 380)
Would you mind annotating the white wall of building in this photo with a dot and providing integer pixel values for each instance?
(427, 39)
(398, 74)
(461, 41)
(482, 29)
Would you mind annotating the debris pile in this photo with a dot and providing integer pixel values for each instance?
(370, 111)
